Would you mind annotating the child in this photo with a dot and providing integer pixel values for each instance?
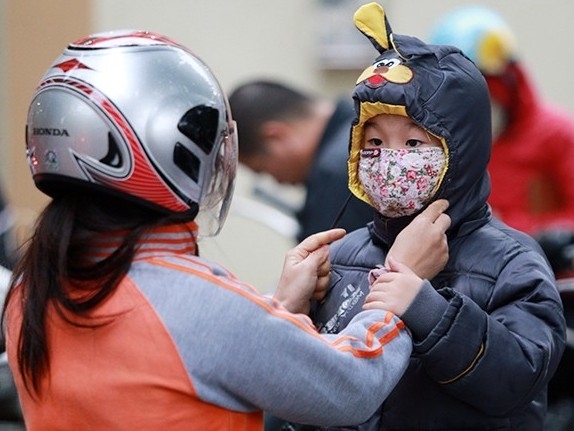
(488, 330)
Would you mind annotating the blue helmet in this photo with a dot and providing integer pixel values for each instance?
(481, 34)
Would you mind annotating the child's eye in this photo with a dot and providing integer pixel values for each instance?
(374, 142)
(413, 143)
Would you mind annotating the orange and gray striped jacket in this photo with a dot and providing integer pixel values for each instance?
(183, 345)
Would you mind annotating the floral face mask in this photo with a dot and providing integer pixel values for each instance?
(400, 182)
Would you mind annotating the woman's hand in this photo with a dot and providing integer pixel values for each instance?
(422, 245)
(306, 271)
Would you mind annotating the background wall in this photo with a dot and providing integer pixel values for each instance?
(32, 34)
(241, 39)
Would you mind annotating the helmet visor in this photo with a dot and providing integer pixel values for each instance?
(214, 204)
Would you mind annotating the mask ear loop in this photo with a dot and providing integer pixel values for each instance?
(341, 212)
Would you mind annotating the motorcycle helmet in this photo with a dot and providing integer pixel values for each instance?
(135, 114)
(486, 38)
(481, 34)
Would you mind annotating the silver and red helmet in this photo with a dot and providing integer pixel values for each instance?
(135, 114)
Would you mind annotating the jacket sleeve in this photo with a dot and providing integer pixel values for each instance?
(327, 379)
(244, 351)
(500, 354)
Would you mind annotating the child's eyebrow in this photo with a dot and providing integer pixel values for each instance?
(371, 124)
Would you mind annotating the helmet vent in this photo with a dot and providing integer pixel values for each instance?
(113, 158)
(185, 160)
(200, 125)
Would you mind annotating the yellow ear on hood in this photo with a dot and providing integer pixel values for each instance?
(370, 19)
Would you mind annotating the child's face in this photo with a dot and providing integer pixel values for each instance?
(400, 166)
(396, 132)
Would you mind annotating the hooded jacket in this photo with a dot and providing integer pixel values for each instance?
(488, 330)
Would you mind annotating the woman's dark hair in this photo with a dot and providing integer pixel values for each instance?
(56, 258)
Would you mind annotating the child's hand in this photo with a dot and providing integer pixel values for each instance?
(422, 245)
(394, 290)
(306, 271)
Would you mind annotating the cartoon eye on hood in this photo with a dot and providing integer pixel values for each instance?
(388, 69)
(371, 20)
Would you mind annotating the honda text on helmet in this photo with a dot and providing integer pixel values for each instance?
(152, 125)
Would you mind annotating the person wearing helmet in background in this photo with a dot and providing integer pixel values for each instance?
(488, 330)
(114, 322)
(532, 162)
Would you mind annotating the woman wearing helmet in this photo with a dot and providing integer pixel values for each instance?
(113, 321)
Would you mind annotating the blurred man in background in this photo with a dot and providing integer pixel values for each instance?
(302, 139)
